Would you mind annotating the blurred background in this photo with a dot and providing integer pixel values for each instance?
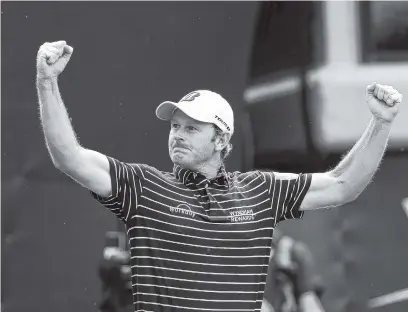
(295, 74)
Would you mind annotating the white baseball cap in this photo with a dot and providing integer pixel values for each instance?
(201, 105)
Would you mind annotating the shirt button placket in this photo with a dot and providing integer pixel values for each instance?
(207, 197)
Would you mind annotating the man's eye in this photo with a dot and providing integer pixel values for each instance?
(174, 126)
(191, 128)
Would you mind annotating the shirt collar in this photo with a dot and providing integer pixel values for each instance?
(188, 176)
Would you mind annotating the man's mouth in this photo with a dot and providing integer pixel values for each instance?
(179, 148)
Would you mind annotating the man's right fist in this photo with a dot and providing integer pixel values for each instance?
(52, 58)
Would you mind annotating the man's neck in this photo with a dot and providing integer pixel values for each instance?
(210, 170)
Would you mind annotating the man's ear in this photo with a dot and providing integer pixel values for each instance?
(222, 141)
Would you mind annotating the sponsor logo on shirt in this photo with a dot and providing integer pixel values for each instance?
(183, 209)
(242, 215)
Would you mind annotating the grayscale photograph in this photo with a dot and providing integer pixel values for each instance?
(204, 156)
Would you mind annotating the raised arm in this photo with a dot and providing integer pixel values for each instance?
(87, 167)
(351, 176)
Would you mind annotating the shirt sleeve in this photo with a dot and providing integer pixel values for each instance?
(126, 180)
(287, 192)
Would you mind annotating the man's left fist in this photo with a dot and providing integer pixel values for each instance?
(383, 101)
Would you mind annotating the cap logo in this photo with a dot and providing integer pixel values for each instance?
(223, 122)
(190, 97)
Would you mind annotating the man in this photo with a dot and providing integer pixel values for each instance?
(200, 237)
(292, 284)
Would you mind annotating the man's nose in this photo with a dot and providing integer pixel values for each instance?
(179, 135)
(179, 138)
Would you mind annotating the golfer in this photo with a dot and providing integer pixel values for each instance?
(200, 236)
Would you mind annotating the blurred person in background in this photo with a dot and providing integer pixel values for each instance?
(188, 226)
(292, 284)
(115, 274)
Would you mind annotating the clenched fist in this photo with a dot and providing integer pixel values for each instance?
(383, 101)
(52, 58)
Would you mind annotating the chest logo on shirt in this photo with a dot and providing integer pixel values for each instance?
(242, 215)
(183, 209)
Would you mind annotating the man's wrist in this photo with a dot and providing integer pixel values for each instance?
(46, 83)
(382, 122)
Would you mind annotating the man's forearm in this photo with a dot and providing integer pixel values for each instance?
(357, 168)
(59, 134)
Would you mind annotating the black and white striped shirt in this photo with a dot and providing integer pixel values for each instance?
(199, 244)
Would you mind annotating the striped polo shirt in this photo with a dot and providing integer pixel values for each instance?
(200, 244)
